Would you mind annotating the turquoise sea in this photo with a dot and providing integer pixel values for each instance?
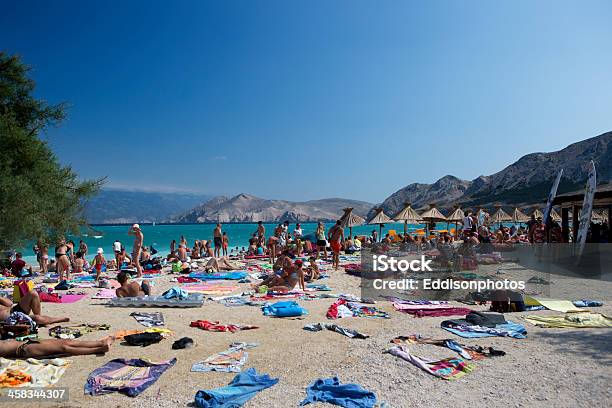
(160, 236)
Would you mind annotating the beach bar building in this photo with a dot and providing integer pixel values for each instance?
(573, 202)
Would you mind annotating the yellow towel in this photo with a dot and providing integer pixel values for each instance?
(563, 306)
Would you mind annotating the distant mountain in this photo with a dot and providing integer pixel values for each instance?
(527, 181)
(118, 206)
(248, 208)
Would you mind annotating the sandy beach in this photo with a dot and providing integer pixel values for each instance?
(551, 367)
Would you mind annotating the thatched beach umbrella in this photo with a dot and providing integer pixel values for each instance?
(380, 218)
(432, 215)
(500, 216)
(554, 216)
(456, 216)
(518, 217)
(350, 220)
(537, 214)
(408, 215)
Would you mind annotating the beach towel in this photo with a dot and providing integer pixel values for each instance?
(72, 298)
(562, 306)
(243, 387)
(105, 294)
(571, 320)
(126, 376)
(227, 361)
(508, 329)
(423, 310)
(283, 309)
(193, 300)
(343, 308)
(208, 289)
(468, 352)
(42, 373)
(49, 297)
(216, 327)
(448, 369)
(164, 332)
(149, 319)
(332, 391)
(215, 276)
(587, 303)
(76, 331)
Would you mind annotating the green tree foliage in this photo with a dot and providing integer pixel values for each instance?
(39, 198)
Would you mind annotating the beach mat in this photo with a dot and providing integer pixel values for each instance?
(193, 300)
(213, 276)
(562, 306)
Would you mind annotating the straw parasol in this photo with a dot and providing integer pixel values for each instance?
(350, 220)
(456, 216)
(500, 216)
(554, 216)
(408, 215)
(380, 218)
(518, 217)
(432, 215)
(537, 213)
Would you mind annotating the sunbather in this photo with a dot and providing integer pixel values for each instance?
(293, 274)
(131, 289)
(29, 303)
(220, 264)
(53, 347)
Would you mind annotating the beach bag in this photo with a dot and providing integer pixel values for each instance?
(143, 339)
(21, 288)
(285, 309)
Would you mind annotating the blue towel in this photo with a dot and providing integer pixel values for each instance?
(330, 390)
(175, 293)
(283, 309)
(512, 329)
(214, 276)
(243, 387)
(587, 303)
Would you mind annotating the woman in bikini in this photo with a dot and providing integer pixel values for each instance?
(63, 262)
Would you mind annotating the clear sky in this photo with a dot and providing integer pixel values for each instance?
(313, 99)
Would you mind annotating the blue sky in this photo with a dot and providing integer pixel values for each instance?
(313, 99)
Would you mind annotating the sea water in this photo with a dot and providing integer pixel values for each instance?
(160, 236)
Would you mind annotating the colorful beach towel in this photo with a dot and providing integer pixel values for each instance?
(343, 308)
(423, 310)
(332, 391)
(72, 298)
(149, 319)
(449, 368)
(217, 327)
(129, 377)
(215, 276)
(42, 373)
(508, 329)
(243, 387)
(228, 361)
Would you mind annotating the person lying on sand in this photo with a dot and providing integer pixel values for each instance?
(312, 271)
(29, 303)
(220, 264)
(131, 288)
(53, 347)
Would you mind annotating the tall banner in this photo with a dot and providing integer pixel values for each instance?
(551, 197)
(587, 209)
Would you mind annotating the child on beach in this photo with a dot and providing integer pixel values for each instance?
(98, 261)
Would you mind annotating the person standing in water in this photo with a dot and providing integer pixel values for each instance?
(138, 240)
(218, 240)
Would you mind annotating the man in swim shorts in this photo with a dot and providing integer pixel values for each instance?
(336, 236)
(218, 240)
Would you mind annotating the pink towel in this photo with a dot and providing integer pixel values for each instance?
(72, 298)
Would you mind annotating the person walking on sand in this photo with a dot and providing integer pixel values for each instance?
(138, 240)
(218, 240)
(321, 241)
(336, 236)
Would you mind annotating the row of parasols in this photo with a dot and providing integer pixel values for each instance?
(433, 215)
